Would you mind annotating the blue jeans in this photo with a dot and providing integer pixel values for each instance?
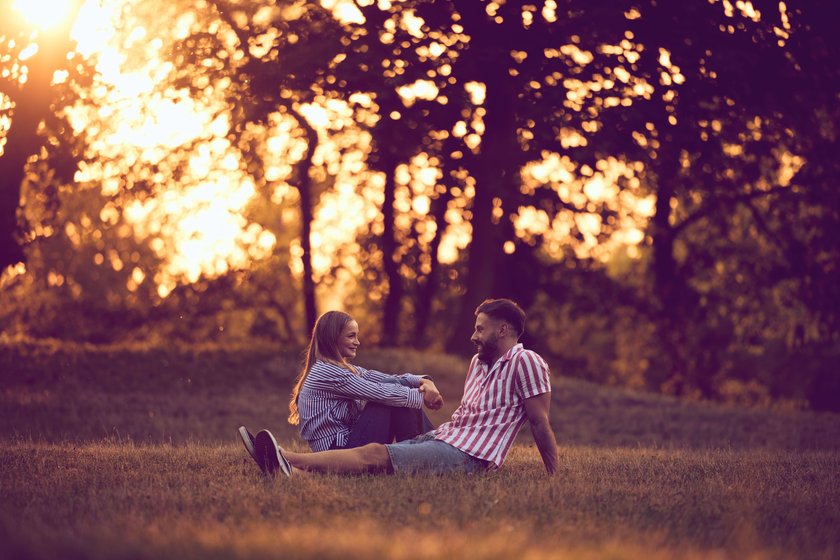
(380, 423)
(427, 454)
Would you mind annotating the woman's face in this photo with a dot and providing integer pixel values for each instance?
(348, 342)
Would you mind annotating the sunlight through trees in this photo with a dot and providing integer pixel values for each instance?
(656, 182)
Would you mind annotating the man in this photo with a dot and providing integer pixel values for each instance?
(505, 385)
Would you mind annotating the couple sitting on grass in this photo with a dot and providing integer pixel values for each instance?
(363, 421)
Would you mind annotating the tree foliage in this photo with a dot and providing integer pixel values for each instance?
(655, 182)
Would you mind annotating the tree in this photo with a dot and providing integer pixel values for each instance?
(481, 61)
(720, 149)
(387, 66)
(281, 78)
(30, 101)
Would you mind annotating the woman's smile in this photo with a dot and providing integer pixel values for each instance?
(349, 340)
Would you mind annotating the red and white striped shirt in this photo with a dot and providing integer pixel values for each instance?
(492, 409)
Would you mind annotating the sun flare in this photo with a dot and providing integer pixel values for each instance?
(44, 14)
(197, 223)
(139, 131)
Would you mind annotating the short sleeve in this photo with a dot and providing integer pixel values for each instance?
(532, 375)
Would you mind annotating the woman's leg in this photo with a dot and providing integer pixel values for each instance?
(372, 426)
(380, 423)
(408, 423)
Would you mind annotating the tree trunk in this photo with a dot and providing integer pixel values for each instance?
(306, 216)
(304, 180)
(32, 102)
(679, 358)
(496, 170)
(426, 291)
(664, 281)
(664, 265)
(483, 252)
(390, 263)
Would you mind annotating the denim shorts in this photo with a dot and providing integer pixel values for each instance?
(425, 454)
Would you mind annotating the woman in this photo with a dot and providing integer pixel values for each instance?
(338, 405)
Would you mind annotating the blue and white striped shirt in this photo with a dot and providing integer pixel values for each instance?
(332, 398)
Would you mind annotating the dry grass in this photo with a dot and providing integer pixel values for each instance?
(125, 500)
(112, 453)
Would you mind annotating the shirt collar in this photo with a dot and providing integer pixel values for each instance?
(510, 353)
(515, 349)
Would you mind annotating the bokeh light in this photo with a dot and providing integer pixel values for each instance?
(43, 14)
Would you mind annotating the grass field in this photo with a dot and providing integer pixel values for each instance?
(130, 453)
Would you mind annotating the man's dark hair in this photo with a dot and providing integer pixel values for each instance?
(504, 310)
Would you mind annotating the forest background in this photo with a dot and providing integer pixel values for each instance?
(655, 182)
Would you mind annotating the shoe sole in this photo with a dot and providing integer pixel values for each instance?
(269, 456)
(247, 440)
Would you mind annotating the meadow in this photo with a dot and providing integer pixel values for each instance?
(130, 452)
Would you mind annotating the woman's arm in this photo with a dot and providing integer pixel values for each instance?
(406, 379)
(340, 382)
(431, 396)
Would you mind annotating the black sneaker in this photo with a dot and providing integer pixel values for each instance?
(269, 456)
(247, 441)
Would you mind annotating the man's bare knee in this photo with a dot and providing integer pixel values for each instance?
(375, 456)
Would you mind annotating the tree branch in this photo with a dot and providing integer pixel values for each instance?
(718, 202)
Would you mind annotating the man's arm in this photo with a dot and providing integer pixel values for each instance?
(536, 409)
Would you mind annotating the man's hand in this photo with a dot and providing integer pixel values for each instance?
(536, 409)
(431, 396)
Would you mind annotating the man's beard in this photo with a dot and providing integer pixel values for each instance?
(487, 350)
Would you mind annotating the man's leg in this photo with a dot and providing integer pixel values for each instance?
(371, 458)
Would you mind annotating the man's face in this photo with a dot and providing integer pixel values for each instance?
(348, 342)
(486, 336)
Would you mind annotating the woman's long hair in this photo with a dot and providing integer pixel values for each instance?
(323, 345)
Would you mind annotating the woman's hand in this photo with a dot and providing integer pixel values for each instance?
(431, 396)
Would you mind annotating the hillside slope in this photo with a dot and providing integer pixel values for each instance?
(53, 391)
